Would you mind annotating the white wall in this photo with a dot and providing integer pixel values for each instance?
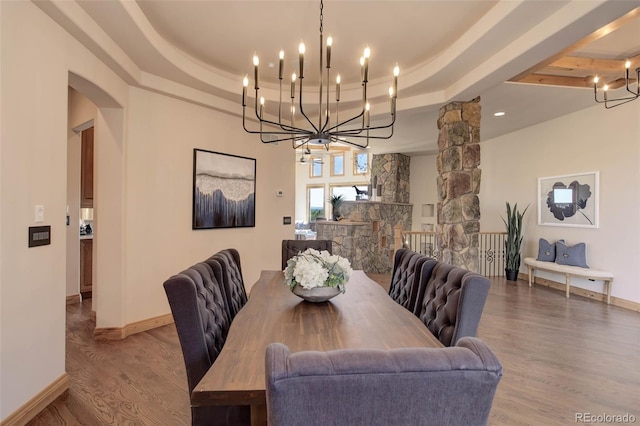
(593, 139)
(423, 189)
(143, 190)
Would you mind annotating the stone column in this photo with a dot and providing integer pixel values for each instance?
(459, 183)
(390, 172)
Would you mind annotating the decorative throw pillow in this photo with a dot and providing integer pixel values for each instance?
(546, 251)
(575, 255)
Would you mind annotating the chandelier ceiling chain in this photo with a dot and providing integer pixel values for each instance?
(614, 102)
(356, 131)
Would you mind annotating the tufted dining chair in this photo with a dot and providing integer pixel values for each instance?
(450, 300)
(404, 278)
(199, 312)
(229, 275)
(291, 248)
(358, 387)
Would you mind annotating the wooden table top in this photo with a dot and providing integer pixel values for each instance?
(363, 317)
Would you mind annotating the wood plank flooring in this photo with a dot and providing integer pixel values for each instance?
(560, 357)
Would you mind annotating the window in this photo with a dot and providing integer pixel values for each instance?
(337, 164)
(315, 168)
(315, 202)
(349, 192)
(360, 163)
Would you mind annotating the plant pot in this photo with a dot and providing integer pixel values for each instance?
(511, 274)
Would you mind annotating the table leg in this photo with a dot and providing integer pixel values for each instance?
(568, 281)
(530, 275)
(258, 415)
(608, 285)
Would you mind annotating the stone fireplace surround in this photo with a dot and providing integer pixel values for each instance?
(364, 235)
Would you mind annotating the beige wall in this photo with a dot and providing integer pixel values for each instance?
(143, 173)
(589, 140)
(423, 190)
(36, 56)
(159, 240)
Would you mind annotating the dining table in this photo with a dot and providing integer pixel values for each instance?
(363, 317)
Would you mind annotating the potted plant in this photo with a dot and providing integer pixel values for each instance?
(513, 241)
(336, 202)
(317, 276)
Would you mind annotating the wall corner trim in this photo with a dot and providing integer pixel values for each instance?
(119, 333)
(39, 402)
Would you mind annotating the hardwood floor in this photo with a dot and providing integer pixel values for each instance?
(560, 357)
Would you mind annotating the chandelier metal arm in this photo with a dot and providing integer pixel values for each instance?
(637, 92)
(367, 136)
(287, 129)
(356, 132)
(316, 130)
(320, 132)
(362, 146)
(614, 102)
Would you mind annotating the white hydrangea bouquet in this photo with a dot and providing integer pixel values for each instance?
(312, 268)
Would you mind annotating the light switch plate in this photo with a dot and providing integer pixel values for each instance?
(39, 213)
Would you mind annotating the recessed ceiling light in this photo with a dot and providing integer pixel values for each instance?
(499, 114)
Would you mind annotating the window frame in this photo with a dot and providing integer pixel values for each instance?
(356, 172)
(335, 156)
(308, 201)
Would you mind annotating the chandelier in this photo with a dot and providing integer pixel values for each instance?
(304, 130)
(614, 102)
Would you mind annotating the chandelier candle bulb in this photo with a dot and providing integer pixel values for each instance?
(350, 131)
(293, 85)
(367, 53)
(301, 51)
(391, 101)
(245, 83)
(396, 72)
(256, 62)
(367, 107)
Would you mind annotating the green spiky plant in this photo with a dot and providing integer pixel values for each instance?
(336, 201)
(513, 241)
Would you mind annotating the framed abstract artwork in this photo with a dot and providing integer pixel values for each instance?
(569, 200)
(224, 190)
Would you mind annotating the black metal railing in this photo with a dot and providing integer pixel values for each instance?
(490, 249)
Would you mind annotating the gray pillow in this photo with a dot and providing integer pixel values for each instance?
(575, 255)
(546, 251)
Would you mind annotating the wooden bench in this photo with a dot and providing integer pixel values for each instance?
(568, 271)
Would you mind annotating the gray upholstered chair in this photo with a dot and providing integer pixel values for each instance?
(404, 278)
(229, 274)
(450, 300)
(198, 309)
(411, 386)
(290, 248)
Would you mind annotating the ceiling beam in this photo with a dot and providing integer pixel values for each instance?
(557, 80)
(618, 23)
